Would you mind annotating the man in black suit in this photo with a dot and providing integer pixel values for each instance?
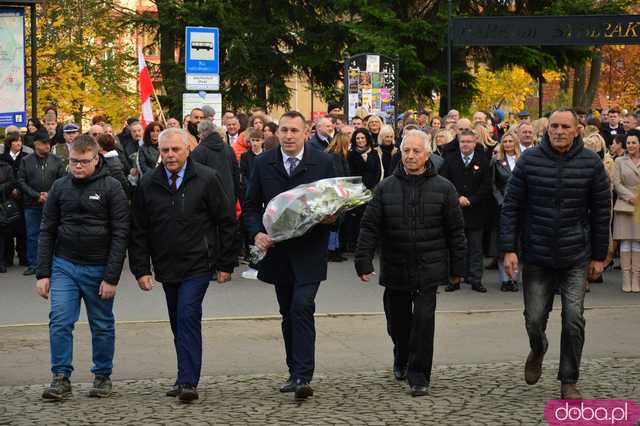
(469, 171)
(295, 266)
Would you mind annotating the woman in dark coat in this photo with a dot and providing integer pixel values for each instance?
(502, 164)
(14, 152)
(339, 150)
(148, 153)
(34, 127)
(365, 162)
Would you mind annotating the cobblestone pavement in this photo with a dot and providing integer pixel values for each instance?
(482, 394)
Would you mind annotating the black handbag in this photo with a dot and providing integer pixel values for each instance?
(9, 214)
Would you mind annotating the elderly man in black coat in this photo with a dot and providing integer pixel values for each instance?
(558, 199)
(470, 172)
(174, 209)
(416, 219)
(295, 266)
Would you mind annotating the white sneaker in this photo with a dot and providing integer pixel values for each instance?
(250, 274)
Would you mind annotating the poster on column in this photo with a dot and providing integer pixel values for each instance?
(12, 63)
(370, 86)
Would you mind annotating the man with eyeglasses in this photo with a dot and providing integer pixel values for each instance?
(61, 150)
(83, 241)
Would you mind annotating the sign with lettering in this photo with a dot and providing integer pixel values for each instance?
(546, 30)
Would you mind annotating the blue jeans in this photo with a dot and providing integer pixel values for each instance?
(184, 302)
(334, 241)
(71, 282)
(32, 218)
(538, 285)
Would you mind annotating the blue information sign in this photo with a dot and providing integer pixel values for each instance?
(201, 49)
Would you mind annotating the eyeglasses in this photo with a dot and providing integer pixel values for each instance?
(83, 163)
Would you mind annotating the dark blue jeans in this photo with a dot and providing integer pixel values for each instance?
(184, 303)
(71, 282)
(297, 306)
(32, 218)
(538, 285)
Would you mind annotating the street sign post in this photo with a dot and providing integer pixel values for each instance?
(198, 100)
(202, 64)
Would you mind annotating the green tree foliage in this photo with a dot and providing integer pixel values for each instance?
(263, 43)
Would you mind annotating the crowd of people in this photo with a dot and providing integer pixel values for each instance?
(448, 192)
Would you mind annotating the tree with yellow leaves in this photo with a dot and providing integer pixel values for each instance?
(84, 68)
(509, 86)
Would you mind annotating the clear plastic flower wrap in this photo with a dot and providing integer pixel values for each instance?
(292, 213)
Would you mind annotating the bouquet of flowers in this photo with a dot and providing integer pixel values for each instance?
(292, 213)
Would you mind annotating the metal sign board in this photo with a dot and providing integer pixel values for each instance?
(203, 82)
(12, 64)
(545, 30)
(202, 50)
(198, 100)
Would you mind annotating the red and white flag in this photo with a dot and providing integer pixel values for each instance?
(146, 89)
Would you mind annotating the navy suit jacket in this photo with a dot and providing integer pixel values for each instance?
(299, 260)
(472, 181)
(317, 143)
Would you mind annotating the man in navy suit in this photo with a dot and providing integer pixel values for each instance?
(295, 266)
(469, 171)
(324, 131)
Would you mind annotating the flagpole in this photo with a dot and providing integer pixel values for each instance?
(162, 117)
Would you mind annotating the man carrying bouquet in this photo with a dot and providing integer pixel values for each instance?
(295, 266)
(416, 219)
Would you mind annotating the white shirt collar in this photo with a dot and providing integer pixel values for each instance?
(285, 156)
(470, 156)
(14, 156)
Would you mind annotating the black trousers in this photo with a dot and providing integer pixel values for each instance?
(411, 326)
(474, 256)
(297, 306)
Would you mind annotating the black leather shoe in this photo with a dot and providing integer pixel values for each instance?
(288, 386)
(479, 288)
(418, 390)
(452, 287)
(400, 373)
(303, 390)
(514, 286)
(505, 286)
(174, 391)
(187, 393)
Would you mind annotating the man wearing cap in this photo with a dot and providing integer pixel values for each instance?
(70, 132)
(37, 173)
(524, 117)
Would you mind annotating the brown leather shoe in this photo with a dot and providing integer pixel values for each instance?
(533, 368)
(570, 391)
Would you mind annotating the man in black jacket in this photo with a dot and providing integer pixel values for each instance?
(37, 173)
(470, 173)
(295, 266)
(83, 242)
(416, 219)
(558, 200)
(174, 209)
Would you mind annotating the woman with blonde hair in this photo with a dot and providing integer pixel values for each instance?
(484, 138)
(387, 150)
(539, 129)
(440, 139)
(339, 151)
(626, 181)
(374, 124)
(502, 165)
